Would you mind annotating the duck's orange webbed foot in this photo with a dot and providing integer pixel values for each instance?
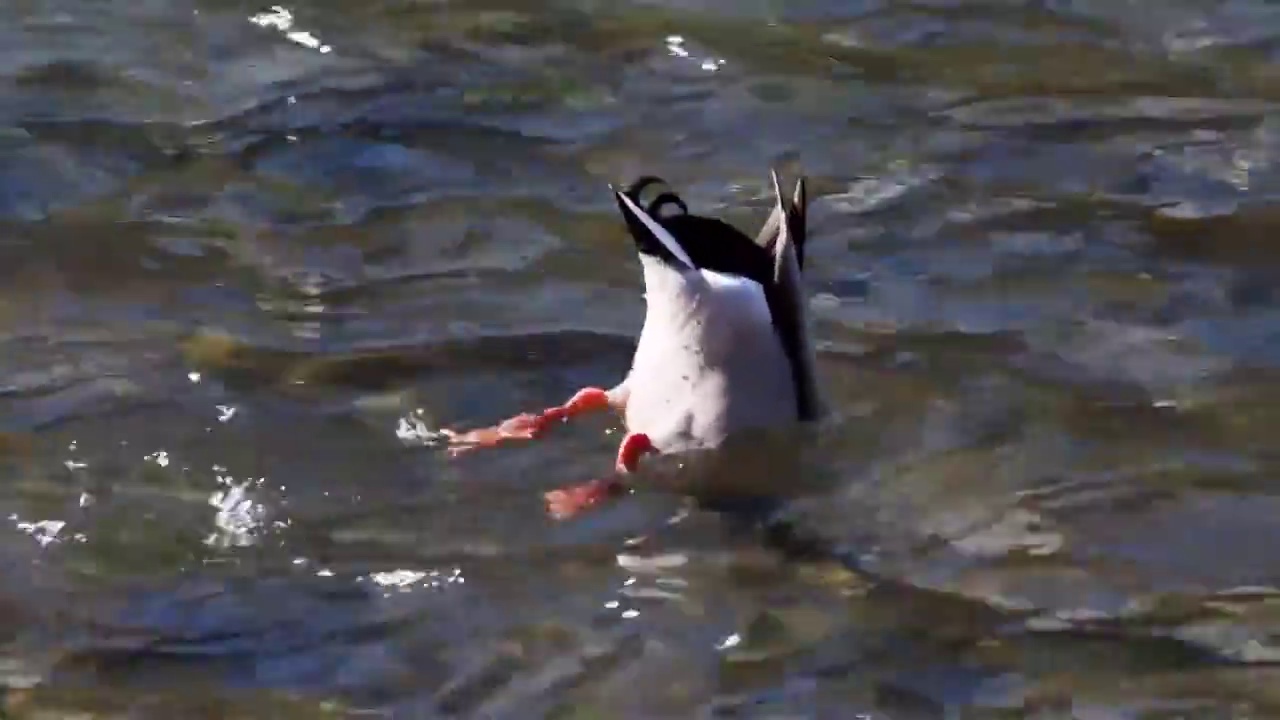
(564, 503)
(633, 446)
(528, 426)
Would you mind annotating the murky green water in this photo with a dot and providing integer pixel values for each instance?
(253, 256)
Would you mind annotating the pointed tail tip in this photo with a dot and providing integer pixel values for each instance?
(799, 196)
(649, 235)
(626, 204)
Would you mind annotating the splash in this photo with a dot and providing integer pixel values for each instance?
(237, 517)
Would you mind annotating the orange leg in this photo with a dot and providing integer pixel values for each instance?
(564, 503)
(633, 446)
(529, 426)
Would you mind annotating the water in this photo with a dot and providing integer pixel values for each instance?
(254, 257)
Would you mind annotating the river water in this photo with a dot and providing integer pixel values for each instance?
(254, 257)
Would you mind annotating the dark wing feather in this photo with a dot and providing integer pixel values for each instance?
(783, 236)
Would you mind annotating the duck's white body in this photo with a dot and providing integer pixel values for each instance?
(719, 352)
(708, 362)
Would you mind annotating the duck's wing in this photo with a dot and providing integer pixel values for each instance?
(783, 236)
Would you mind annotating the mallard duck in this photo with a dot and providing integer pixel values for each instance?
(725, 345)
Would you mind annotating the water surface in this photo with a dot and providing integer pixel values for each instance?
(254, 256)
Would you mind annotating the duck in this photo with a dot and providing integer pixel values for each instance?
(725, 347)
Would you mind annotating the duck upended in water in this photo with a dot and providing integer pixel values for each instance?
(725, 345)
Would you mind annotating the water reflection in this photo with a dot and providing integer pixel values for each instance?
(279, 18)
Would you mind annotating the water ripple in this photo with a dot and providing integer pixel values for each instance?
(257, 256)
